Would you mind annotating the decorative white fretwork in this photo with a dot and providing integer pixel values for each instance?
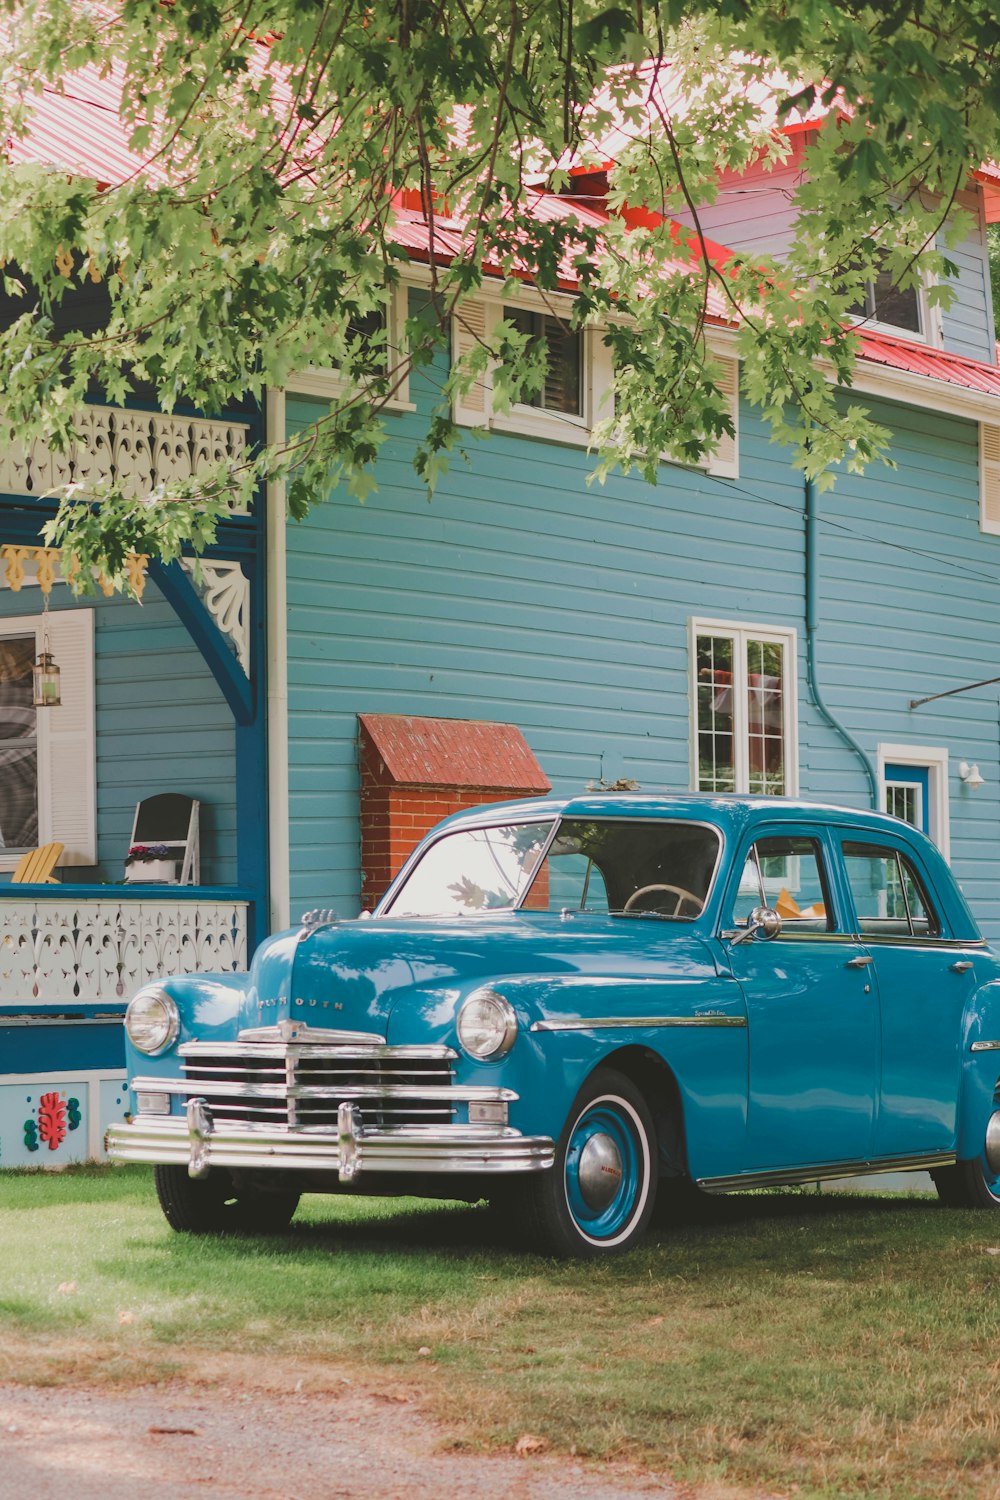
(137, 449)
(224, 590)
(56, 951)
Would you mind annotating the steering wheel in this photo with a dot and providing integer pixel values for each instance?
(682, 895)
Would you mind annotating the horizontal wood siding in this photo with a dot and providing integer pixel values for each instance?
(911, 607)
(968, 323)
(162, 726)
(753, 211)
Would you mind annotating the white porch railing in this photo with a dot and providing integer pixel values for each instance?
(138, 450)
(63, 949)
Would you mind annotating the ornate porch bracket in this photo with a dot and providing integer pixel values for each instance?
(224, 589)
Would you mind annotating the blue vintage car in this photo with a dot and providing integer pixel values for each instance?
(569, 1006)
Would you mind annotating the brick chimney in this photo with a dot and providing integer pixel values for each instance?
(414, 772)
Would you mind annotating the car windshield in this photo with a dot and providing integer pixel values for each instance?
(627, 867)
(473, 870)
(619, 866)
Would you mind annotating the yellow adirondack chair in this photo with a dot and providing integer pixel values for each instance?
(35, 867)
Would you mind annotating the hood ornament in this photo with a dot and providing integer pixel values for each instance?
(320, 916)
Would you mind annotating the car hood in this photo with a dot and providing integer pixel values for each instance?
(403, 978)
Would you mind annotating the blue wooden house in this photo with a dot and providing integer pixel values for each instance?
(727, 630)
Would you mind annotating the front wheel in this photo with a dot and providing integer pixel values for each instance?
(598, 1196)
(212, 1205)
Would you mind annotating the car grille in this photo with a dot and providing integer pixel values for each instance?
(302, 1087)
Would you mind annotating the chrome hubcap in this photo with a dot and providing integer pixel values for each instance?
(993, 1143)
(600, 1171)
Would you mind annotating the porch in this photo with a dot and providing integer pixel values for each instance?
(164, 697)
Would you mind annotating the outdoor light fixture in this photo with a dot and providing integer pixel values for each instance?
(970, 775)
(45, 691)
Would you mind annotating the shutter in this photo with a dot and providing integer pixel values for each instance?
(602, 377)
(989, 477)
(471, 325)
(67, 761)
(725, 461)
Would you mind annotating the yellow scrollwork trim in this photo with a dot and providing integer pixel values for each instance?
(14, 557)
(46, 559)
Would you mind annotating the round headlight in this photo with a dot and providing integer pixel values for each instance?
(487, 1025)
(152, 1020)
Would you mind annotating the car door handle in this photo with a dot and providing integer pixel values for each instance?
(861, 962)
(961, 966)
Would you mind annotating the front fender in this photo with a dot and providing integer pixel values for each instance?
(694, 1022)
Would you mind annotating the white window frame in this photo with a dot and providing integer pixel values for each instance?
(328, 383)
(596, 377)
(740, 632)
(934, 760)
(931, 331)
(477, 319)
(84, 763)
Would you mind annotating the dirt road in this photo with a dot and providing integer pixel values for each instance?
(174, 1442)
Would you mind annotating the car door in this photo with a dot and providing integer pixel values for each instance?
(923, 979)
(812, 1015)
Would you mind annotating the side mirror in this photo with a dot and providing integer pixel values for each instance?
(764, 922)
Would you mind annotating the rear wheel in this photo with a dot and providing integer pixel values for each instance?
(598, 1196)
(968, 1184)
(976, 1183)
(212, 1205)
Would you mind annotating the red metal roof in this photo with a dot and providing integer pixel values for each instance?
(918, 359)
(80, 131)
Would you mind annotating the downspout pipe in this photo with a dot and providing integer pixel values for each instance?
(812, 628)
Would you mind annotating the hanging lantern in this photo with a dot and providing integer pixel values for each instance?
(45, 674)
(45, 681)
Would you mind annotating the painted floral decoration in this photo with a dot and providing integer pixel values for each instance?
(56, 1117)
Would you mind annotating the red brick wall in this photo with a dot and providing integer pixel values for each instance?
(394, 818)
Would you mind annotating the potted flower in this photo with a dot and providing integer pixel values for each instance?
(151, 864)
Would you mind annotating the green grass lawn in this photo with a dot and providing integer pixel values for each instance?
(817, 1345)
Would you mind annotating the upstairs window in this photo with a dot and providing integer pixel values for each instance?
(377, 347)
(898, 309)
(743, 709)
(562, 388)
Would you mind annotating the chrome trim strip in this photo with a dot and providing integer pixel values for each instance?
(604, 1023)
(903, 940)
(299, 1032)
(985, 1047)
(251, 1051)
(789, 1176)
(476, 1149)
(431, 1092)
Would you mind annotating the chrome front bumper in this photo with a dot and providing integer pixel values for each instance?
(200, 1143)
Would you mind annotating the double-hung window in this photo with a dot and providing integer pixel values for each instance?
(377, 348)
(562, 385)
(743, 712)
(18, 743)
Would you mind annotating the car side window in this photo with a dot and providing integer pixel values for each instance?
(889, 897)
(785, 872)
